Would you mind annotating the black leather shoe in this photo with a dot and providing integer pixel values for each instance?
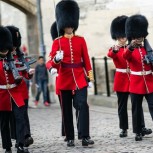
(70, 143)
(123, 133)
(87, 142)
(146, 131)
(138, 137)
(28, 141)
(20, 149)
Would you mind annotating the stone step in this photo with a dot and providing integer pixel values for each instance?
(111, 102)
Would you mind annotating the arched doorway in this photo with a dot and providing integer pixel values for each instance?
(28, 7)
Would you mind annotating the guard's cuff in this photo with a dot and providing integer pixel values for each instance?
(50, 69)
(56, 62)
(115, 51)
(90, 75)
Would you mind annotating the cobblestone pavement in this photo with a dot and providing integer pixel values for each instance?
(46, 126)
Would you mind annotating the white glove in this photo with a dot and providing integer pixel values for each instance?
(90, 84)
(53, 71)
(59, 55)
(31, 71)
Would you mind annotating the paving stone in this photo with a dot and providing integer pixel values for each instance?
(46, 131)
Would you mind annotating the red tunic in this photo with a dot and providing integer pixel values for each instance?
(24, 89)
(139, 84)
(6, 94)
(121, 79)
(75, 51)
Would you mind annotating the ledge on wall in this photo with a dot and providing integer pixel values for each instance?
(111, 102)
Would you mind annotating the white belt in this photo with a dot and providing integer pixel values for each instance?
(8, 86)
(141, 72)
(123, 70)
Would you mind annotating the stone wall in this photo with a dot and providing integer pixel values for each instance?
(95, 20)
(12, 16)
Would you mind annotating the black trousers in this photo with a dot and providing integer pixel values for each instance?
(82, 112)
(122, 109)
(5, 129)
(13, 126)
(26, 117)
(27, 131)
(79, 101)
(19, 113)
(137, 109)
(123, 113)
(62, 127)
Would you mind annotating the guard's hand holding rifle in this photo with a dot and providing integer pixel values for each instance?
(135, 43)
(132, 45)
(115, 49)
(59, 56)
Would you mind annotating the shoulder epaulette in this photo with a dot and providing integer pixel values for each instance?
(58, 37)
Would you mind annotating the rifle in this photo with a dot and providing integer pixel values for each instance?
(23, 59)
(149, 57)
(11, 66)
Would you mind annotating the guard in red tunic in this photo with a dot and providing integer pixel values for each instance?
(54, 35)
(5, 103)
(122, 73)
(141, 78)
(16, 36)
(11, 95)
(70, 52)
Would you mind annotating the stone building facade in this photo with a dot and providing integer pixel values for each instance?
(95, 20)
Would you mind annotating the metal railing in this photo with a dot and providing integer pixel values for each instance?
(107, 80)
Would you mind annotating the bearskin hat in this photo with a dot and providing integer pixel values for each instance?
(117, 28)
(5, 39)
(136, 26)
(53, 31)
(16, 36)
(67, 14)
